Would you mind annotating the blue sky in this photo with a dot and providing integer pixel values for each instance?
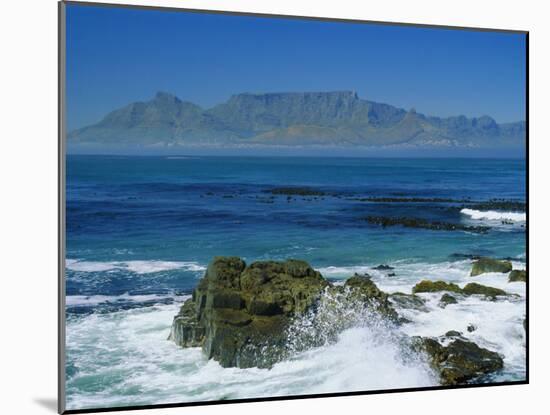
(117, 55)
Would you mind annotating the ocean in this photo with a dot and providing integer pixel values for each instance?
(141, 231)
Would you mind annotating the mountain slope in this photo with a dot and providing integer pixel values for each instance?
(298, 118)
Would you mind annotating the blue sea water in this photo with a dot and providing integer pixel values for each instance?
(141, 230)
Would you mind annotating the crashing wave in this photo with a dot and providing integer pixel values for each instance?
(494, 215)
(138, 267)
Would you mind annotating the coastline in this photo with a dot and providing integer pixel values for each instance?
(157, 317)
(140, 239)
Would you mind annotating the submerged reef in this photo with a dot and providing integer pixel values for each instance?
(424, 224)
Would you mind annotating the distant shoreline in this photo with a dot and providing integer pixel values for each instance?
(296, 153)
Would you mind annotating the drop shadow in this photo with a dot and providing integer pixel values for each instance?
(48, 403)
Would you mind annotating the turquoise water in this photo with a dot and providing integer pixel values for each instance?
(141, 230)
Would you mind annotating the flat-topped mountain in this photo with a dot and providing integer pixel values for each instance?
(291, 119)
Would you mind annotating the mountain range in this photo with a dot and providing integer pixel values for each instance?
(338, 118)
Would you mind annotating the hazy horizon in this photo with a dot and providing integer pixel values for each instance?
(304, 152)
(206, 58)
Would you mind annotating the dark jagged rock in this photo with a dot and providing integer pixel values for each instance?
(409, 200)
(186, 329)
(408, 301)
(460, 361)
(383, 267)
(453, 333)
(297, 191)
(471, 328)
(475, 257)
(474, 288)
(447, 299)
(517, 275)
(363, 290)
(241, 315)
(424, 224)
(484, 265)
(427, 286)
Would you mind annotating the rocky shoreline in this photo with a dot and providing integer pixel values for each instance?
(259, 314)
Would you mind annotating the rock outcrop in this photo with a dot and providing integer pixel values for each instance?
(408, 301)
(257, 315)
(426, 286)
(360, 289)
(517, 275)
(472, 288)
(457, 360)
(383, 267)
(484, 265)
(447, 299)
(241, 315)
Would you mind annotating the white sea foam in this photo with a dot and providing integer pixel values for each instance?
(91, 300)
(127, 352)
(406, 273)
(493, 215)
(499, 324)
(139, 267)
(123, 358)
(344, 272)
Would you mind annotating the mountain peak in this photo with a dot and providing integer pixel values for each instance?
(166, 96)
(309, 94)
(292, 118)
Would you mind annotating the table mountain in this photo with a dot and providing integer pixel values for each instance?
(296, 118)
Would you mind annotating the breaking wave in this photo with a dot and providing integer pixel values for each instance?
(340, 349)
(494, 215)
(138, 267)
(92, 300)
(365, 355)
